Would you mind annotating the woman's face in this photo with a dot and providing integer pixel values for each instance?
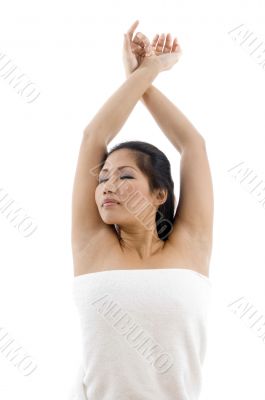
(121, 180)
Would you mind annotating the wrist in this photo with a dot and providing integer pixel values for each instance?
(151, 63)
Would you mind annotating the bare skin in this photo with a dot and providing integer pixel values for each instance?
(136, 236)
(98, 247)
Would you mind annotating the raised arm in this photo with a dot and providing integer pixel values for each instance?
(86, 220)
(194, 215)
(174, 124)
(113, 114)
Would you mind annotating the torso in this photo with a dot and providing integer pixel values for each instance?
(104, 252)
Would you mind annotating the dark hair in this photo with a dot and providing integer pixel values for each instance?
(156, 167)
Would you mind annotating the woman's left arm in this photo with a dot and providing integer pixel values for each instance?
(178, 129)
(193, 220)
(195, 211)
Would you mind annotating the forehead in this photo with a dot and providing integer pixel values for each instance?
(119, 160)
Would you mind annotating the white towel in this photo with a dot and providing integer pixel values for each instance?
(78, 389)
(144, 333)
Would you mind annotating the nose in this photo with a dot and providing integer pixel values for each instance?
(108, 186)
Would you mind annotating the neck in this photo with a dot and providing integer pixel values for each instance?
(142, 243)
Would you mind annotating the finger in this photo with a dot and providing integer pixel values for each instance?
(140, 52)
(132, 29)
(144, 39)
(154, 41)
(126, 49)
(127, 43)
(168, 45)
(141, 39)
(136, 49)
(175, 44)
(160, 43)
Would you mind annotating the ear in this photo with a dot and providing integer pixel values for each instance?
(161, 196)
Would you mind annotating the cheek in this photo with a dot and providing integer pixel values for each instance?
(133, 194)
(127, 190)
(97, 196)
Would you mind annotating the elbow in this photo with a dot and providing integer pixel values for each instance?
(196, 142)
(199, 139)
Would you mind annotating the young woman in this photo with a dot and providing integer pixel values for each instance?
(141, 280)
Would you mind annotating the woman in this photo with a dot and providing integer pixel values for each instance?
(141, 280)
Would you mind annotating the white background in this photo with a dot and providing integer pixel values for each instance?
(72, 51)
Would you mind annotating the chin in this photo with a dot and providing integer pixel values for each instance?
(109, 220)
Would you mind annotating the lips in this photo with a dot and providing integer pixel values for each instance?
(110, 201)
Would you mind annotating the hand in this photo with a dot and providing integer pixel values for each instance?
(135, 50)
(162, 48)
(133, 53)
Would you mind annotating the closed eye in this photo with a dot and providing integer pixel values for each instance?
(122, 177)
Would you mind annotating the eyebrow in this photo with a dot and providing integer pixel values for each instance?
(124, 166)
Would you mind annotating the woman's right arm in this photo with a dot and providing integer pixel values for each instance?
(113, 114)
(86, 220)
